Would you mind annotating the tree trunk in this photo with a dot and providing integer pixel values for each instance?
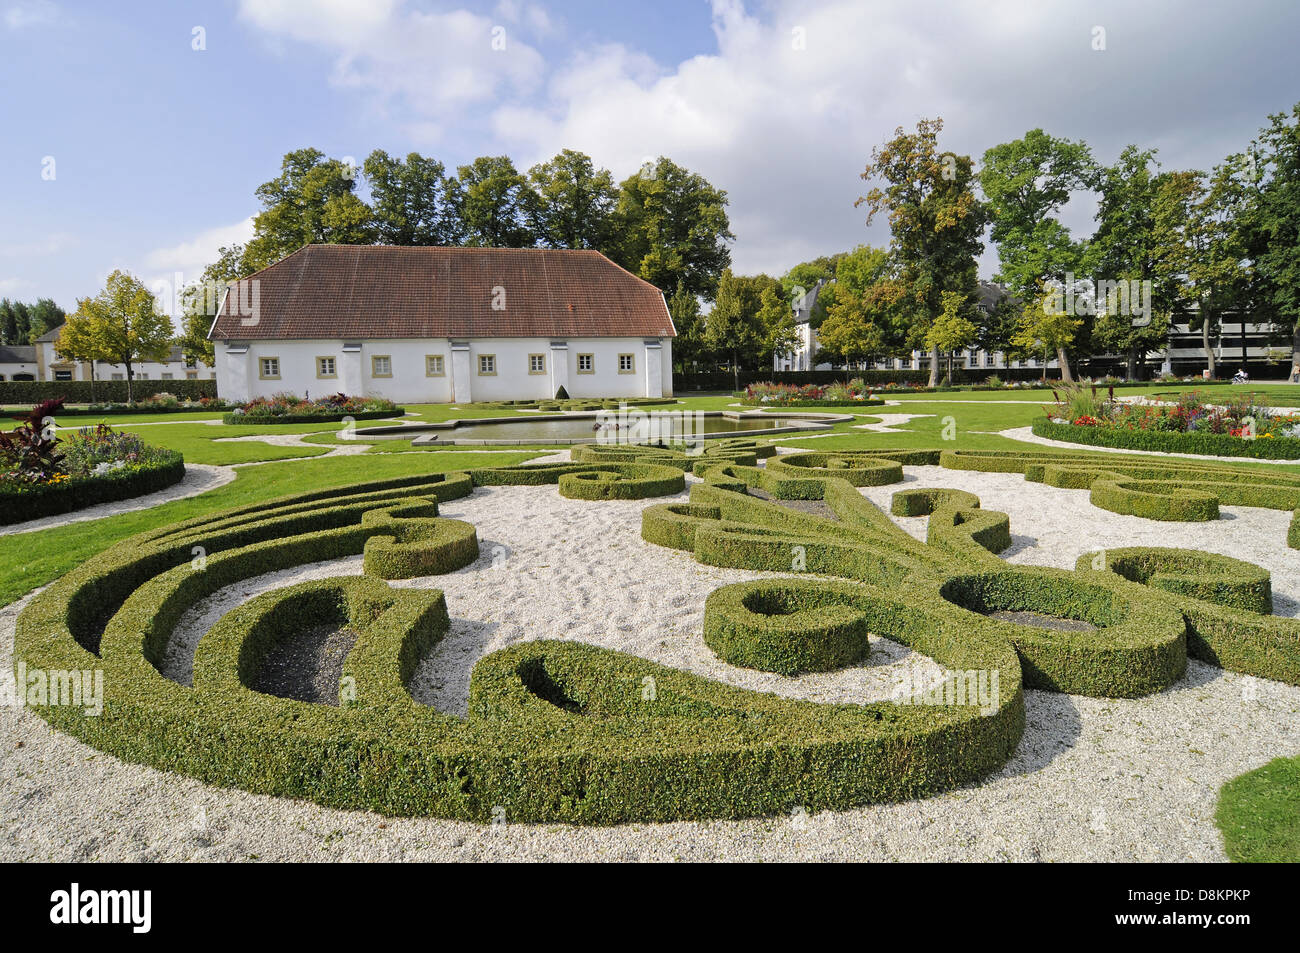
(1205, 343)
(1064, 360)
(1131, 372)
(934, 367)
(130, 374)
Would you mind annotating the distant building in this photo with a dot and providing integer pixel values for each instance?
(41, 362)
(52, 367)
(803, 357)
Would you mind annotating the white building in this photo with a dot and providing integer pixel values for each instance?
(18, 362)
(803, 357)
(434, 325)
(41, 362)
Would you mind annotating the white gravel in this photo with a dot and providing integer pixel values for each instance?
(1092, 779)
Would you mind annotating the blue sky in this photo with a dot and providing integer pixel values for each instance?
(157, 147)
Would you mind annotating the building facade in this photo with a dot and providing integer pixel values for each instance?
(41, 362)
(443, 325)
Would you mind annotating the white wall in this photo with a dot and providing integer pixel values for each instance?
(143, 370)
(239, 375)
(7, 371)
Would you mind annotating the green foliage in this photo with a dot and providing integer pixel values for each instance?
(312, 200)
(1208, 576)
(787, 626)
(672, 228)
(121, 324)
(935, 220)
(1027, 182)
(589, 481)
(413, 202)
(1157, 441)
(26, 392)
(556, 731)
(575, 202)
(1258, 814)
(561, 732)
(1275, 220)
(495, 203)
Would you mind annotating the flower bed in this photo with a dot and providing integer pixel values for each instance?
(1187, 423)
(43, 475)
(290, 409)
(162, 403)
(853, 393)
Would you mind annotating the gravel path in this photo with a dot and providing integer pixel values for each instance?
(1093, 779)
(199, 478)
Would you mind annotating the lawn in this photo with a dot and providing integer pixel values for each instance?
(1259, 814)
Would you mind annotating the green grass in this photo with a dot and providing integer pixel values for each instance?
(28, 560)
(199, 442)
(1259, 814)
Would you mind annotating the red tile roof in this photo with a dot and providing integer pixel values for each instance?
(386, 291)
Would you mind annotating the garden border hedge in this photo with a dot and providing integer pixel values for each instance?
(257, 419)
(1158, 441)
(38, 501)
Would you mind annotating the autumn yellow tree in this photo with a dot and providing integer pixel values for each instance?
(121, 324)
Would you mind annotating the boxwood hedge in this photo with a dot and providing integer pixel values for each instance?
(268, 419)
(1151, 488)
(555, 731)
(76, 493)
(559, 731)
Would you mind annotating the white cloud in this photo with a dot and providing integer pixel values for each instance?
(51, 244)
(200, 251)
(10, 286)
(171, 269)
(787, 131)
(427, 62)
(30, 13)
(784, 113)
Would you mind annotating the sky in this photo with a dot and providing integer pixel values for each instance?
(133, 134)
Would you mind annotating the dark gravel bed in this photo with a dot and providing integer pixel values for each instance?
(307, 666)
(813, 507)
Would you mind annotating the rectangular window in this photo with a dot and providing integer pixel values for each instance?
(269, 368)
(487, 365)
(119, 377)
(166, 377)
(627, 364)
(381, 365)
(63, 375)
(586, 363)
(191, 375)
(326, 367)
(536, 363)
(434, 366)
(142, 377)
